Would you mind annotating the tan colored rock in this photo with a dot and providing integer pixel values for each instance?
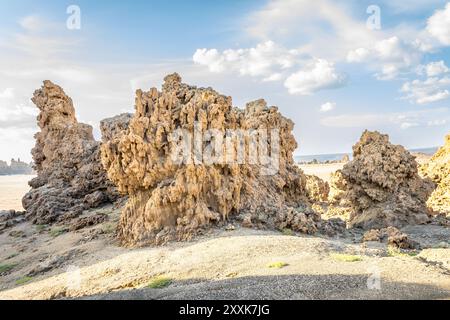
(89, 221)
(372, 235)
(345, 159)
(112, 127)
(172, 200)
(70, 177)
(392, 236)
(438, 170)
(380, 187)
(316, 189)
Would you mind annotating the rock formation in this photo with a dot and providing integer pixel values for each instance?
(188, 161)
(392, 236)
(70, 177)
(316, 189)
(16, 167)
(4, 168)
(112, 127)
(438, 170)
(380, 187)
(9, 218)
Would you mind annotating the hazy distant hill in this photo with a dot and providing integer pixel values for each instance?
(322, 158)
(16, 167)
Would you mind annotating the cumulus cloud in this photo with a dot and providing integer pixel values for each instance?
(271, 62)
(358, 55)
(426, 91)
(317, 75)
(433, 69)
(266, 59)
(315, 26)
(389, 57)
(328, 106)
(438, 25)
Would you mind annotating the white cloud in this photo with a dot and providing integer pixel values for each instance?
(404, 120)
(41, 38)
(210, 58)
(358, 55)
(390, 57)
(8, 93)
(433, 69)
(317, 75)
(437, 123)
(274, 77)
(438, 25)
(328, 106)
(426, 91)
(407, 125)
(32, 23)
(271, 62)
(17, 116)
(315, 26)
(266, 59)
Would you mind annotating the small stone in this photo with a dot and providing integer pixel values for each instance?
(230, 227)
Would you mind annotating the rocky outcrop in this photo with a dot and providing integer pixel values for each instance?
(16, 167)
(9, 218)
(316, 189)
(438, 170)
(189, 160)
(392, 236)
(380, 187)
(70, 177)
(112, 127)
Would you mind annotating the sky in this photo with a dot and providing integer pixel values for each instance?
(335, 68)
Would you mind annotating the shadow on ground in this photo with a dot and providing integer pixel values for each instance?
(287, 287)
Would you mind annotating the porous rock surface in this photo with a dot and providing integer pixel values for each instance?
(169, 200)
(70, 177)
(317, 189)
(380, 187)
(392, 236)
(112, 127)
(438, 170)
(9, 218)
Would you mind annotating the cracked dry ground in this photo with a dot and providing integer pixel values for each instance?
(223, 264)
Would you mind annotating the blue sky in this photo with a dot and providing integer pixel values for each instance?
(318, 61)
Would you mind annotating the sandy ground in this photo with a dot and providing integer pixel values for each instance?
(49, 262)
(323, 171)
(221, 265)
(12, 189)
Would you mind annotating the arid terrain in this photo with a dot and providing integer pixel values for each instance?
(121, 218)
(12, 189)
(48, 262)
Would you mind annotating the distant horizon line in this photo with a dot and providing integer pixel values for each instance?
(344, 153)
